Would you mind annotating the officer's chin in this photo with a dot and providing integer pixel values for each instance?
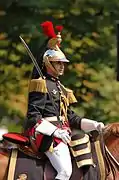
(61, 73)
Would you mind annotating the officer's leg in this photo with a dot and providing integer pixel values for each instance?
(61, 161)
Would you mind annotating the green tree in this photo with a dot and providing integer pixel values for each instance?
(88, 41)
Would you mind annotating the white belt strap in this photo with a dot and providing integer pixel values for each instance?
(54, 118)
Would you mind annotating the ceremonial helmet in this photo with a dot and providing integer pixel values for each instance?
(53, 52)
(50, 51)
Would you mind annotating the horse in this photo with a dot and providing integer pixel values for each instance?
(45, 171)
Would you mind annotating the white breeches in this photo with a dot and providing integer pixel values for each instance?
(61, 161)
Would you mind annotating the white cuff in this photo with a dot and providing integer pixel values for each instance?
(90, 125)
(46, 128)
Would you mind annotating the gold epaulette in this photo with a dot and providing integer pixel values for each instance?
(38, 85)
(70, 96)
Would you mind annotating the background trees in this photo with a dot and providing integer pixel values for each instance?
(89, 41)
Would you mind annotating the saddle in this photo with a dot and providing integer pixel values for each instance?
(23, 143)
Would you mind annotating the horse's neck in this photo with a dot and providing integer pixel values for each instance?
(112, 144)
(112, 157)
(112, 166)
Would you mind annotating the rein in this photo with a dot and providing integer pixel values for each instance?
(116, 162)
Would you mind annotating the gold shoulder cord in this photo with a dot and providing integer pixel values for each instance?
(65, 100)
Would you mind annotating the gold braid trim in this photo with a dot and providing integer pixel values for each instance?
(38, 85)
(63, 109)
(100, 159)
(12, 165)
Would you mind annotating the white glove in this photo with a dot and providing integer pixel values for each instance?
(62, 134)
(90, 125)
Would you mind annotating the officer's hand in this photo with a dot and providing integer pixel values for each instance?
(100, 126)
(62, 134)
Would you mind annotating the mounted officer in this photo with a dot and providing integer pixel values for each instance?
(51, 125)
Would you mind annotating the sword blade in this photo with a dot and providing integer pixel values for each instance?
(31, 56)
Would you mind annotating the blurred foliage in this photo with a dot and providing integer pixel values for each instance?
(89, 41)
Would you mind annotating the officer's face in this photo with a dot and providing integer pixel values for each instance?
(59, 67)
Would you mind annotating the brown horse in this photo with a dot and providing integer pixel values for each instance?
(46, 172)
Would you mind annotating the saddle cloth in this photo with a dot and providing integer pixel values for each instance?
(24, 167)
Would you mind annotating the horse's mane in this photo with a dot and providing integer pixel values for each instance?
(111, 129)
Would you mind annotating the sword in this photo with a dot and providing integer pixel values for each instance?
(32, 57)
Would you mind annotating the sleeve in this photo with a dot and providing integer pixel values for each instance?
(74, 119)
(36, 105)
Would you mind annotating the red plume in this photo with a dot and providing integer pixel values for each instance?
(48, 29)
(59, 28)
